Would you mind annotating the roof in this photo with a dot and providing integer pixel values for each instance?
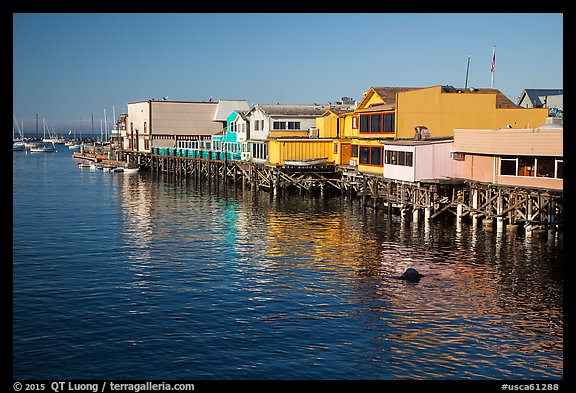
(501, 100)
(388, 94)
(414, 142)
(535, 94)
(291, 110)
(225, 107)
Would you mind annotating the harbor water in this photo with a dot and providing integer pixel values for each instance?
(146, 276)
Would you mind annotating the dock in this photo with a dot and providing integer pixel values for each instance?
(503, 207)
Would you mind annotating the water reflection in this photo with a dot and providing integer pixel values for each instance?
(312, 280)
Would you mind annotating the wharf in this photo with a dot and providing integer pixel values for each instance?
(538, 210)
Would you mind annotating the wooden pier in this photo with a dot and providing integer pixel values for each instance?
(506, 207)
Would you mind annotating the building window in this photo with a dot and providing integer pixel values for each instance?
(508, 166)
(560, 169)
(355, 122)
(279, 125)
(525, 166)
(364, 155)
(335, 148)
(371, 155)
(293, 125)
(364, 123)
(131, 126)
(376, 156)
(389, 122)
(145, 126)
(378, 123)
(375, 123)
(403, 158)
(545, 167)
(354, 151)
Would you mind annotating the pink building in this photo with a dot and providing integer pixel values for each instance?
(531, 157)
(416, 160)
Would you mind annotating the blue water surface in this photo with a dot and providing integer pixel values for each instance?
(147, 276)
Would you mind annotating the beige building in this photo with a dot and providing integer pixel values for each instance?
(154, 123)
(531, 157)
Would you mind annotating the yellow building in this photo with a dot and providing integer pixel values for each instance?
(387, 113)
(282, 149)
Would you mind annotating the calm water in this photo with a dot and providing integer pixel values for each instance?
(120, 276)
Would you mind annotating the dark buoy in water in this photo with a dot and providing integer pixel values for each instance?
(411, 275)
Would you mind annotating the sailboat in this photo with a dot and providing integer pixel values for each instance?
(43, 147)
(17, 143)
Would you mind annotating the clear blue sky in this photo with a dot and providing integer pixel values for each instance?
(67, 66)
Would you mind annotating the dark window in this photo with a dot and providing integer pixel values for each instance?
(376, 156)
(525, 166)
(401, 158)
(364, 155)
(508, 167)
(375, 121)
(389, 122)
(560, 169)
(409, 157)
(364, 123)
(293, 125)
(354, 151)
(279, 125)
(545, 167)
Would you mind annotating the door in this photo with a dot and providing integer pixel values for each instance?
(345, 153)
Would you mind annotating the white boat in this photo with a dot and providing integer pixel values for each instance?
(74, 146)
(43, 147)
(84, 164)
(306, 161)
(18, 146)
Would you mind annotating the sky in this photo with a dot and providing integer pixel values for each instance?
(69, 68)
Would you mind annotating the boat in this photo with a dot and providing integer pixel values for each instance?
(43, 147)
(306, 162)
(131, 168)
(74, 146)
(18, 146)
(84, 164)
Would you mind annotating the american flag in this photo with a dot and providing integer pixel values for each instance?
(493, 59)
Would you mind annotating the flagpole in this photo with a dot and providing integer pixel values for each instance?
(493, 64)
(467, 68)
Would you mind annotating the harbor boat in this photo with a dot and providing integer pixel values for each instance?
(84, 164)
(306, 162)
(131, 168)
(18, 146)
(30, 144)
(43, 147)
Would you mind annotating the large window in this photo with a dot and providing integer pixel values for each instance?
(293, 125)
(279, 125)
(526, 166)
(378, 123)
(404, 158)
(371, 155)
(508, 166)
(545, 167)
